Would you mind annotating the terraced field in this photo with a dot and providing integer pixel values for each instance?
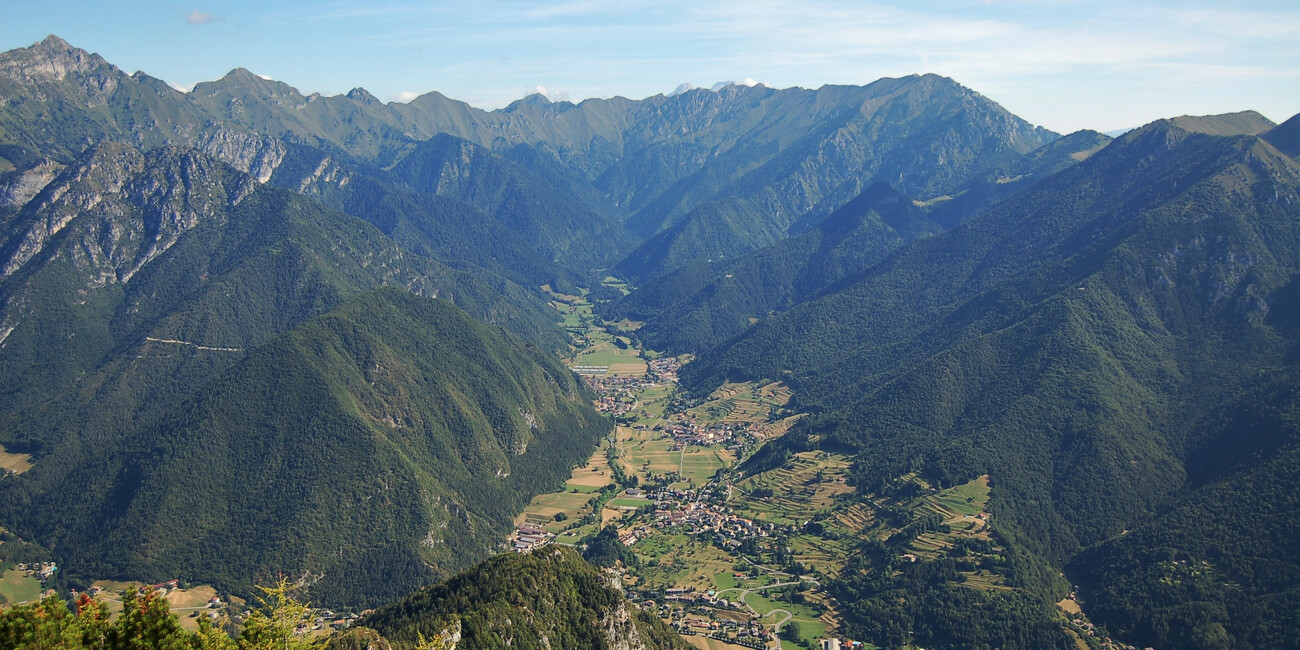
(742, 403)
(808, 485)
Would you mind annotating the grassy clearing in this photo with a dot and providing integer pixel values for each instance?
(193, 597)
(985, 581)
(18, 588)
(967, 499)
(544, 507)
(811, 627)
(16, 463)
(779, 428)
(680, 561)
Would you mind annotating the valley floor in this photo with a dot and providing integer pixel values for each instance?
(739, 559)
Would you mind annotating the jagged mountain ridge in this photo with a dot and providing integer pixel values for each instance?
(670, 166)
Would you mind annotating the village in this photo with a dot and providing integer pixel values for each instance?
(42, 571)
(665, 480)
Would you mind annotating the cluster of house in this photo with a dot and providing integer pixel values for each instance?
(749, 634)
(701, 615)
(700, 517)
(664, 369)
(40, 570)
(694, 511)
(329, 619)
(707, 601)
(616, 394)
(687, 431)
(528, 537)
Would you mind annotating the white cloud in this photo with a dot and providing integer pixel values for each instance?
(181, 87)
(553, 94)
(199, 17)
(264, 76)
(405, 96)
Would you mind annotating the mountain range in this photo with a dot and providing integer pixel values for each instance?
(1091, 343)
(246, 330)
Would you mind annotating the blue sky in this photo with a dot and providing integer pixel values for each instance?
(1062, 64)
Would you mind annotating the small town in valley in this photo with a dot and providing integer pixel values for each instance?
(731, 556)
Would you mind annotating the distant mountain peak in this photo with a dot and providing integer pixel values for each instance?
(362, 95)
(54, 42)
(537, 100)
(682, 88)
(239, 74)
(1285, 137)
(1242, 123)
(52, 58)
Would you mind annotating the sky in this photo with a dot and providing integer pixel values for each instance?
(1062, 64)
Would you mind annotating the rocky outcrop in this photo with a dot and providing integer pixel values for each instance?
(128, 208)
(244, 150)
(20, 187)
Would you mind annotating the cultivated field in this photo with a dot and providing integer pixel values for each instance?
(646, 450)
(16, 588)
(573, 502)
(603, 351)
(705, 643)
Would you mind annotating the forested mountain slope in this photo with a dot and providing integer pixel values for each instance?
(549, 599)
(562, 225)
(375, 447)
(700, 306)
(924, 135)
(445, 228)
(1071, 342)
(132, 281)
